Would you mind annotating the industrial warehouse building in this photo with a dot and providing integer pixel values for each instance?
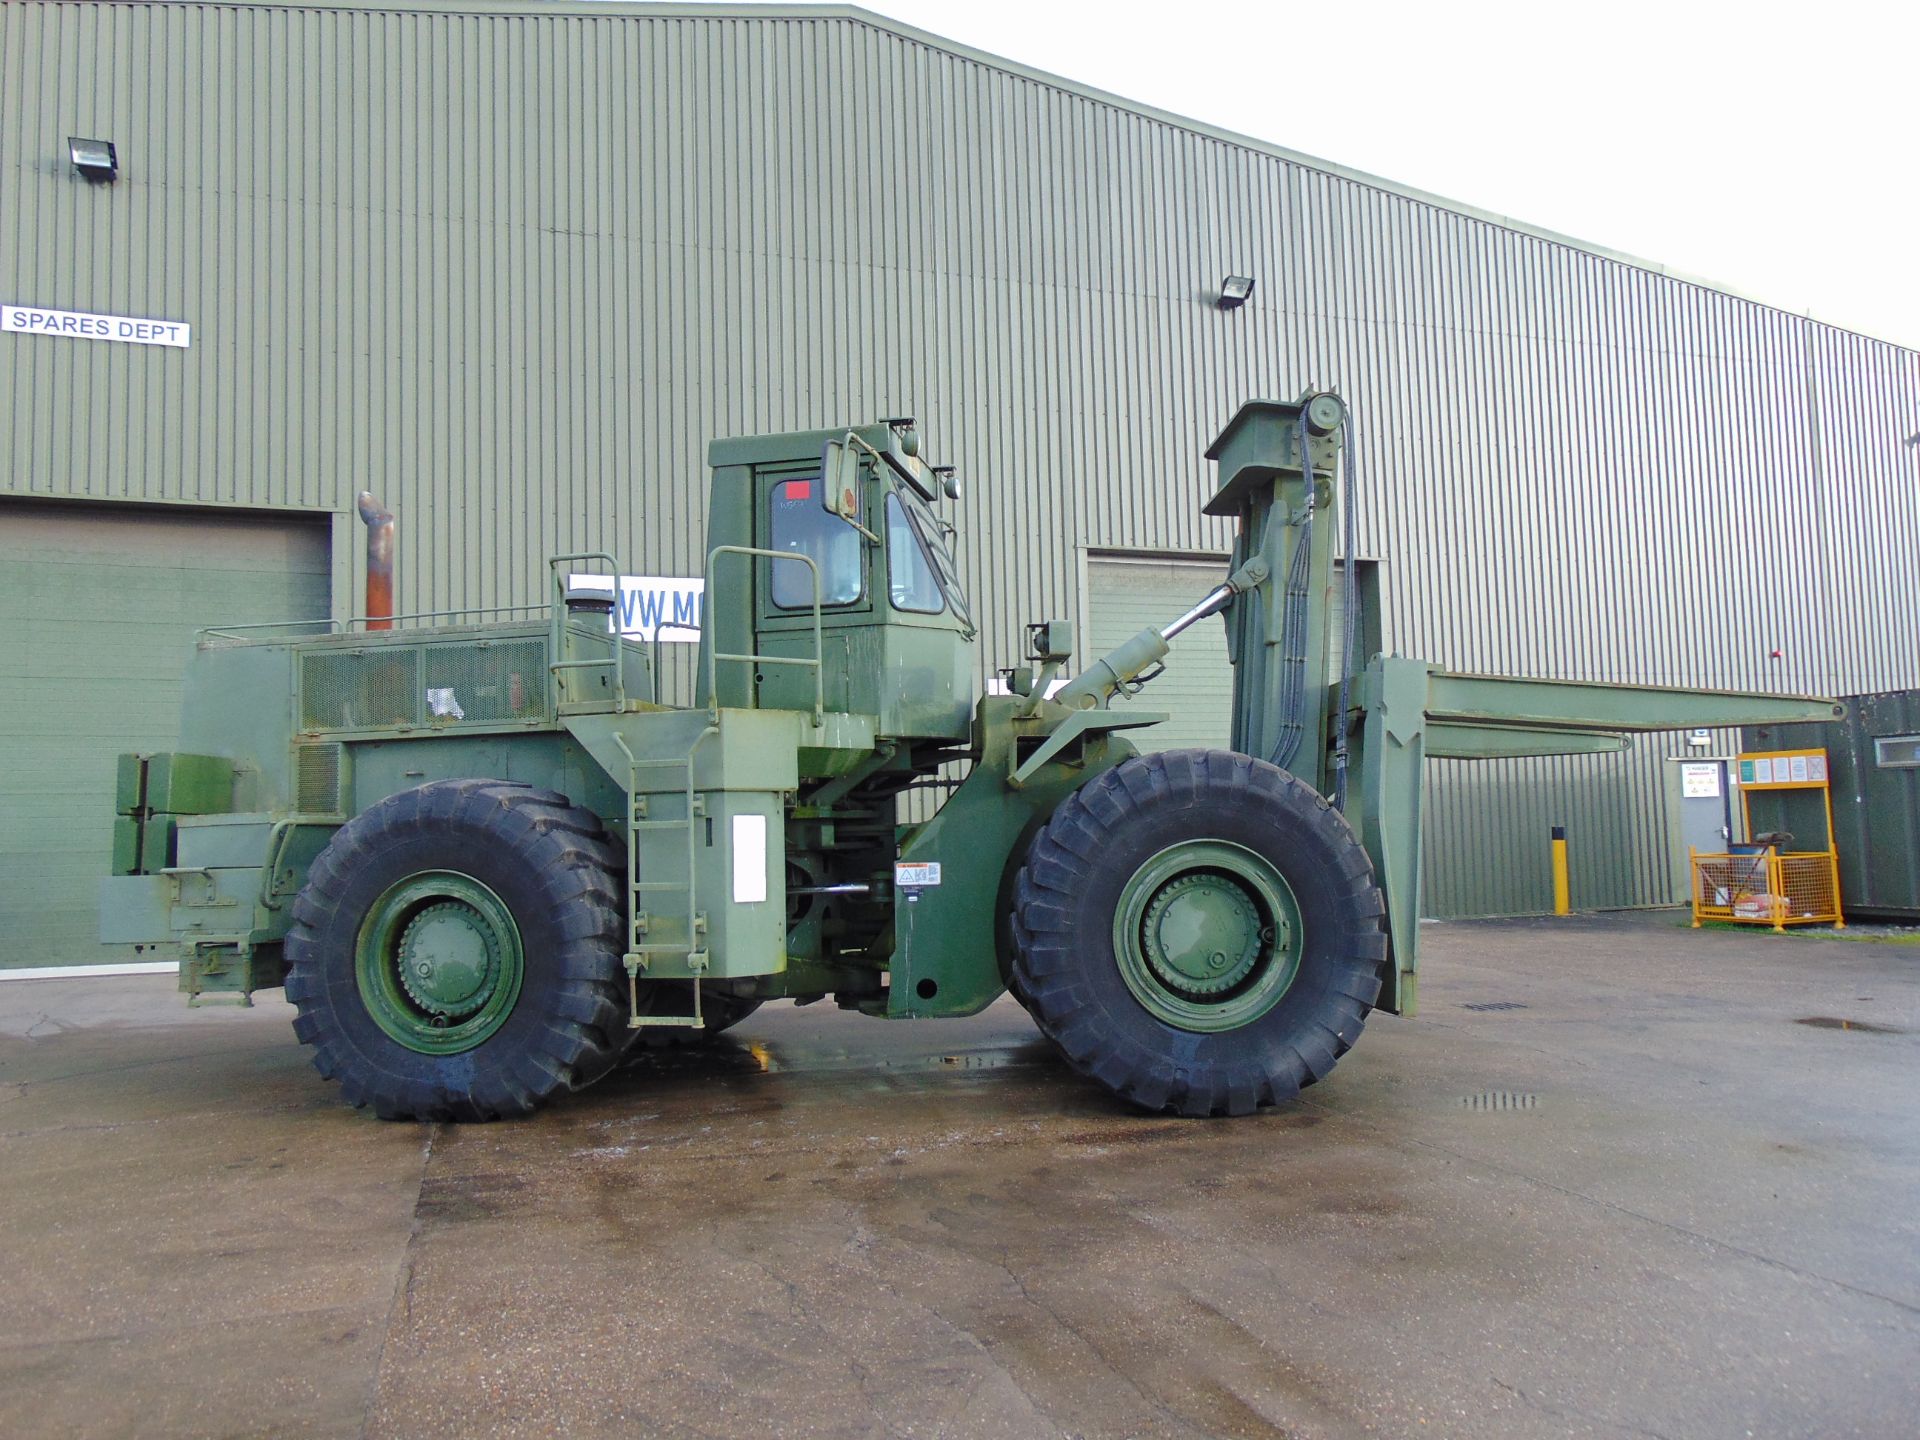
(511, 266)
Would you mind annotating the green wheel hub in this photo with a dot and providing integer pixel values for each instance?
(439, 963)
(1208, 936)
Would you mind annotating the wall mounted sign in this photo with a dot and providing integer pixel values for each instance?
(1783, 769)
(1700, 782)
(83, 325)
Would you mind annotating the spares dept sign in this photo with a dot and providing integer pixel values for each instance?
(82, 325)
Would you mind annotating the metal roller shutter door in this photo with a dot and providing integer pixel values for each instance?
(98, 609)
(1125, 596)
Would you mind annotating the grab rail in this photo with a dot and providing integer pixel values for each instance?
(715, 655)
(557, 621)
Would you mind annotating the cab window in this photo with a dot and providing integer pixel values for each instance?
(802, 526)
(911, 580)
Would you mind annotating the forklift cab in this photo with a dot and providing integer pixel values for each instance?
(846, 516)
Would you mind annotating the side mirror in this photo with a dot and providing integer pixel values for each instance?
(840, 480)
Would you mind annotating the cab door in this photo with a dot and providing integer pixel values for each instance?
(791, 520)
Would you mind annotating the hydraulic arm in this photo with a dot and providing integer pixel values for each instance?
(1360, 733)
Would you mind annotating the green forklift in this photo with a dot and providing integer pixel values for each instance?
(487, 859)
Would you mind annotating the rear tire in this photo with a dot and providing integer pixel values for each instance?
(1199, 932)
(456, 952)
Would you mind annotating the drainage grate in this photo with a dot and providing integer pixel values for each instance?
(1500, 1100)
(1495, 1005)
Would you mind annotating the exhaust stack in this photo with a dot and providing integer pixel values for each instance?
(379, 608)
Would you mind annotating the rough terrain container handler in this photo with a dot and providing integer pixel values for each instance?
(485, 859)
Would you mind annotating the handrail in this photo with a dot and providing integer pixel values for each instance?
(236, 632)
(345, 627)
(715, 655)
(633, 861)
(557, 623)
(659, 673)
(638, 950)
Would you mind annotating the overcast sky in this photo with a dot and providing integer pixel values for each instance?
(1766, 147)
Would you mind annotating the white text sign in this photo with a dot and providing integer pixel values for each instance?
(658, 603)
(82, 325)
(1700, 782)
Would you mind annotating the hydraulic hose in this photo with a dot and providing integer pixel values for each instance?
(1293, 693)
(1350, 594)
(1293, 621)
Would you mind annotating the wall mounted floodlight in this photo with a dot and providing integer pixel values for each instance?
(1234, 291)
(95, 159)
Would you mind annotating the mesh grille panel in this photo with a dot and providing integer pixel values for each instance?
(1722, 881)
(1766, 889)
(485, 683)
(369, 690)
(1806, 882)
(317, 780)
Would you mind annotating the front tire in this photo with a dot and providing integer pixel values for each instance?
(1199, 932)
(456, 953)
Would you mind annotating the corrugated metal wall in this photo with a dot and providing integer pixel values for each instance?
(511, 270)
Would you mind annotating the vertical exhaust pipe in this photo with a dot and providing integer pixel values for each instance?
(379, 609)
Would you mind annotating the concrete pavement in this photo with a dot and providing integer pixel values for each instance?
(1667, 1187)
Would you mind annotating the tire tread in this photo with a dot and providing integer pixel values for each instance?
(1048, 963)
(579, 872)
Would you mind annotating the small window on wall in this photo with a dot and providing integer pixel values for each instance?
(1897, 752)
(910, 577)
(803, 526)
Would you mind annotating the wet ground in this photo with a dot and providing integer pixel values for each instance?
(1620, 1179)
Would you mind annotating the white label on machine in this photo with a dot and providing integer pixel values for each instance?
(1817, 766)
(1797, 767)
(749, 859)
(916, 877)
(657, 605)
(1700, 782)
(998, 686)
(1763, 772)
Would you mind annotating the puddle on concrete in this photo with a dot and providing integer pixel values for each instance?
(705, 1059)
(457, 1199)
(1124, 1134)
(1835, 1022)
(992, 1059)
(724, 1057)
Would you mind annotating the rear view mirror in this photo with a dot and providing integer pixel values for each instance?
(840, 480)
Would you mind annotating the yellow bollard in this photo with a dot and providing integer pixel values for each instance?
(1561, 901)
(1693, 885)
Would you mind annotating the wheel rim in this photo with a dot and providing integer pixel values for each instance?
(439, 962)
(1208, 936)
